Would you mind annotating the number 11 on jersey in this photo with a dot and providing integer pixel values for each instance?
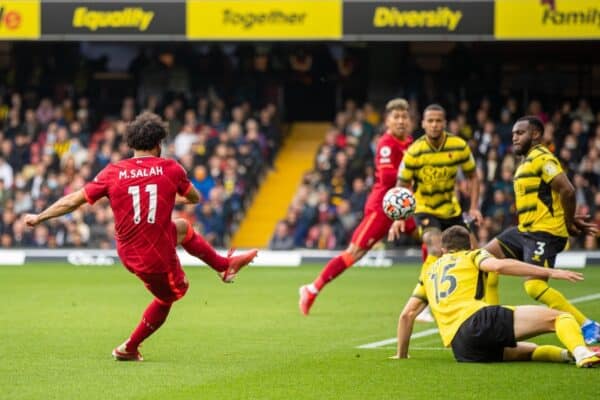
(134, 191)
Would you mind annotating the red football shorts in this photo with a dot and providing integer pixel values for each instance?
(374, 227)
(167, 286)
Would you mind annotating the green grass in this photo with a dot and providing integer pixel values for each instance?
(247, 340)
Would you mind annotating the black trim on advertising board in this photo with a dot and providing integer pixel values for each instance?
(424, 20)
(127, 19)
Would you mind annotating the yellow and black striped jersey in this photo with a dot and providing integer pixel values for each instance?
(454, 287)
(538, 207)
(419, 290)
(434, 174)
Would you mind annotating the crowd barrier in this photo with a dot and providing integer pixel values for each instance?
(266, 258)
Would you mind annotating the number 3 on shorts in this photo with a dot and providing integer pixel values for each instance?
(539, 251)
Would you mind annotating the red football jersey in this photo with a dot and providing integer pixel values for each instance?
(141, 192)
(388, 157)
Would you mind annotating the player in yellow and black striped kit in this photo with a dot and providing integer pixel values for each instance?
(454, 287)
(545, 203)
(430, 167)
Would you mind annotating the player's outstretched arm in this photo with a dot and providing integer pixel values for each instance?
(406, 321)
(576, 224)
(62, 206)
(509, 266)
(566, 192)
(193, 196)
(474, 187)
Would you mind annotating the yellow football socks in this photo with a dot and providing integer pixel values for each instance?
(568, 332)
(549, 353)
(540, 291)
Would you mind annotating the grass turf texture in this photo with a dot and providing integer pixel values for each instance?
(59, 323)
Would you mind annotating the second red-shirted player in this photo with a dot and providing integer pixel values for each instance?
(375, 224)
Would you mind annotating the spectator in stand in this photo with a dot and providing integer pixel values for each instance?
(575, 141)
(184, 140)
(202, 181)
(281, 240)
(56, 147)
(6, 173)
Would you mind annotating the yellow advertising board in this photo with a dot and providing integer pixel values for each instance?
(20, 19)
(547, 19)
(264, 19)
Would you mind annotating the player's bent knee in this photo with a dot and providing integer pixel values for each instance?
(184, 230)
(353, 253)
(548, 317)
(175, 293)
(163, 302)
(563, 316)
(535, 288)
(182, 226)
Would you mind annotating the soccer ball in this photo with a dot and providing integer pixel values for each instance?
(399, 203)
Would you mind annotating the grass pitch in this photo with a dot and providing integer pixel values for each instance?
(247, 340)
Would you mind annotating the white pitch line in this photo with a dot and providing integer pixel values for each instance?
(433, 331)
(426, 348)
(423, 348)
(427, 332)
(583, 299)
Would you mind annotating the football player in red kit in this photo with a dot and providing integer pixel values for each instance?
(142, 192)
(375, 224)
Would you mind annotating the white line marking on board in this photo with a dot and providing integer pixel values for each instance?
(433, 331)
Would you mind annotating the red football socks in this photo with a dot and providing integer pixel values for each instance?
(333, 269)
(153, 318)
(198, 247)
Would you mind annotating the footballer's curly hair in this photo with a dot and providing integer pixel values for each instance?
(146, 131)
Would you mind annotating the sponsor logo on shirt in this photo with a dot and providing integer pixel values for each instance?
(385, 153)
(550, 168)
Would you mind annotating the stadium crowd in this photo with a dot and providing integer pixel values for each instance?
(224, 106)
(59, 127)
(49, 150)
(329, 203)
